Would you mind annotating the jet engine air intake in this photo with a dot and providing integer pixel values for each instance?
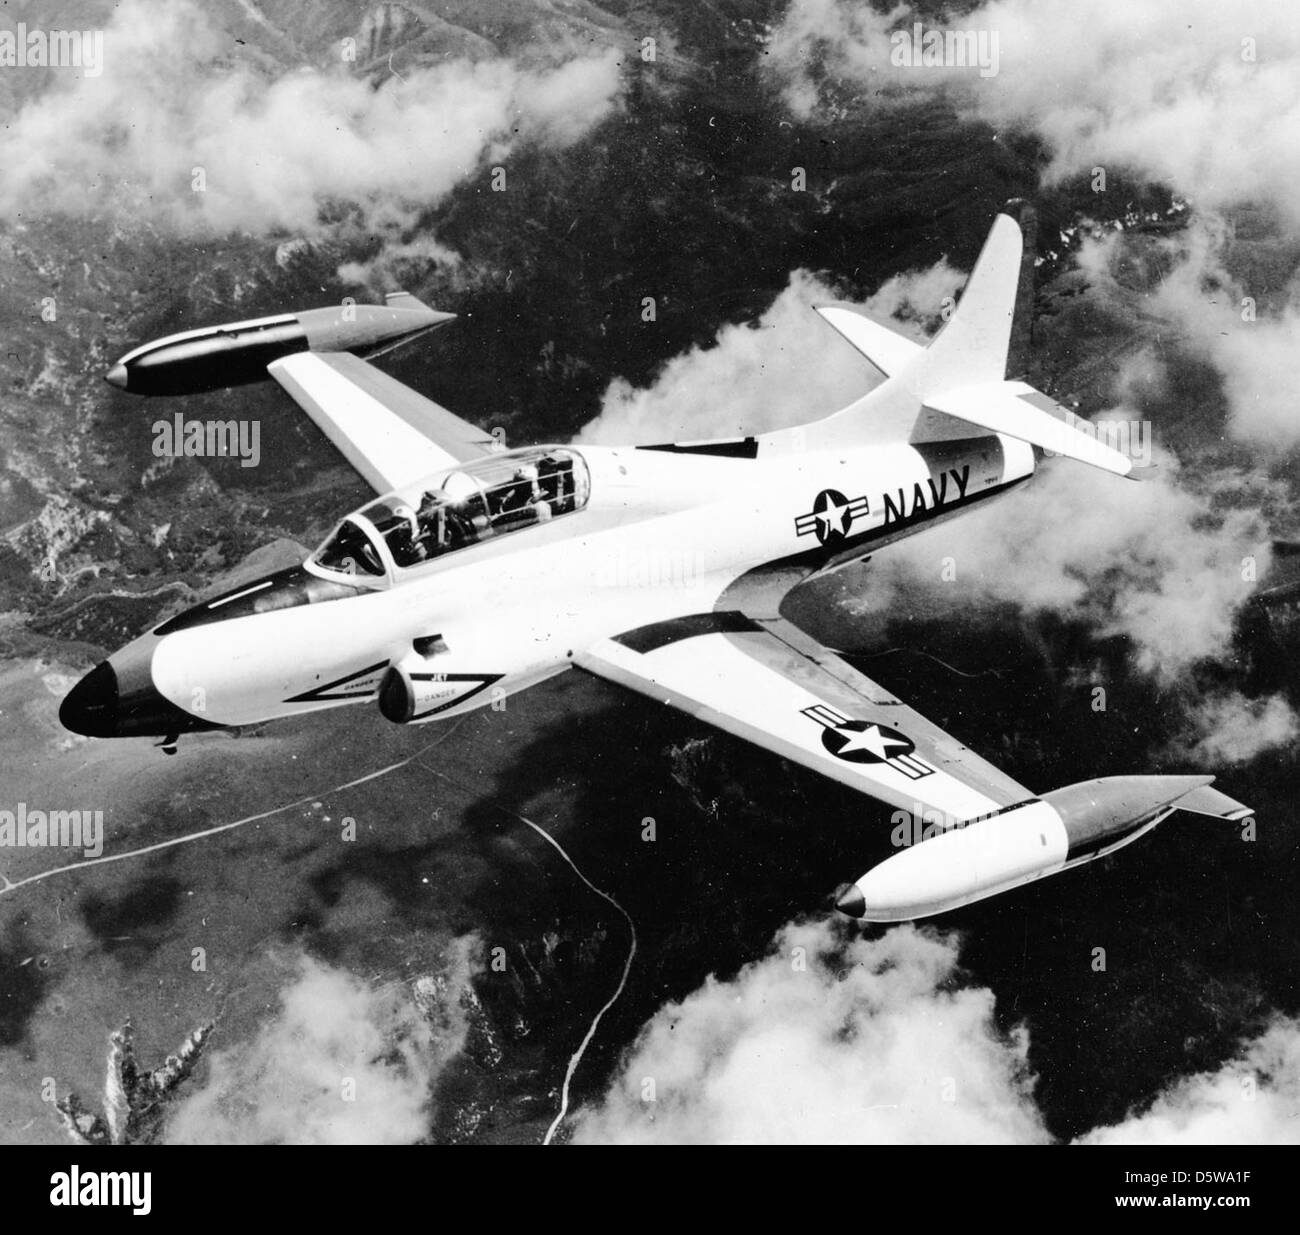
(416, 688)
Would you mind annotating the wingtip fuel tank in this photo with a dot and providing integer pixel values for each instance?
(1044, 836)
(237, 353)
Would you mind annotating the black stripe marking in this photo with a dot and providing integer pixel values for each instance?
(484, 680)
(993, 814)
(733, 448)
(1001, 810)
(660, 634)
(330, 689)
(294, 586)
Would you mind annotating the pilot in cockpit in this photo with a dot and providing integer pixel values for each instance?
(555, 481)
(514, 498)
(432, 520)
(404, 537)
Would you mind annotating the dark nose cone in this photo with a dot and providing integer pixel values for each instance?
(850, 901)
(91, 707)
(117, 699)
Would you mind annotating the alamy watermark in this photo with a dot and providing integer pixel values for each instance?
(1132, 438)
(946, 49)
(649, 568)
(24, 828)
(213, 439)
(923, 823)
(124, 1189)
(23, 48)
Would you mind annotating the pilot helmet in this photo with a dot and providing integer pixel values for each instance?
(459, 487)
(404, 512)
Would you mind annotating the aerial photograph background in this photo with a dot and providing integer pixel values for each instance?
(362, 930)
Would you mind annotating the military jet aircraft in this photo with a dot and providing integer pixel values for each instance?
(476, 572)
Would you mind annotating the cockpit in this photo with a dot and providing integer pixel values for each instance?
(451, 510)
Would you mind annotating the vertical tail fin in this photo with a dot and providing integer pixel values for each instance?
(959, 380)
(972, 347)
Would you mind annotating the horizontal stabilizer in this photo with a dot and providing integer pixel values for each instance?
(1206, 800)
(404, 300)
(1001, 407)
(888, 350)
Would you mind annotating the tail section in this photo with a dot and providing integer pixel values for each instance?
(888, 350)
(971, 349)
(937, 392)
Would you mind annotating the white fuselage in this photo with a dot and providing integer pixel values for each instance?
(663, 535)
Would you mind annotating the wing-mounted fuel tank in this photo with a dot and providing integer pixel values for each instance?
(1061, 830)
(237, 353)
(420, 686)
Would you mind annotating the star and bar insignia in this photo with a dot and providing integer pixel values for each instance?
(863, 741)
(831, 516)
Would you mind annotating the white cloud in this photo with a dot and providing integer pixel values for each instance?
(1199, 310)
(879, 1041)
(387, 268)
(840, 40)
(1235, 729)
(1150, 560)
(1160, 86)
(333, 1035)
(787, 368)
(833, 1037)
(1252, 1100)
(1252, 348)
(1163, 86)
(273, 149)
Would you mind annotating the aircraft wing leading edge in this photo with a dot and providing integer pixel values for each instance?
(390, 434)
(768, 682)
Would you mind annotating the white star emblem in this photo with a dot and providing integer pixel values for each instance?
(833, 517)
(871, 739)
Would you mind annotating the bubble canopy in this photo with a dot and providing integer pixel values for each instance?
(451, 510)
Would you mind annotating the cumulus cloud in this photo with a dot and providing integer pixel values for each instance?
(831, 1038)
(1153, 561)
(1234, 729)
(1252, 1100)
(1252, 347)
(784, 369)
(1202, 96)
(388, 267)
(341, 1062)
(172, 110)
(835, 1037)
(1205, 307)
(827, 40)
